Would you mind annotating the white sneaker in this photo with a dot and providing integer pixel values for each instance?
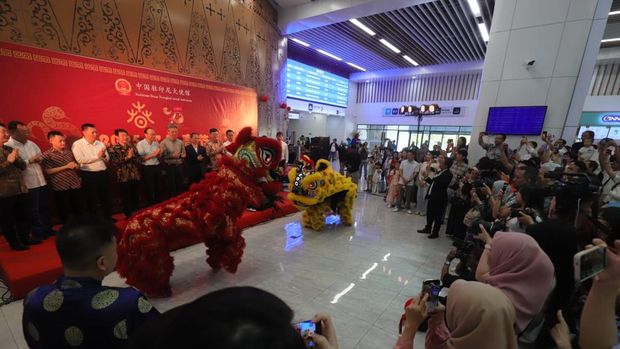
(409, 212)
(396, 209)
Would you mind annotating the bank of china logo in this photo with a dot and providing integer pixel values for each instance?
(123, 87)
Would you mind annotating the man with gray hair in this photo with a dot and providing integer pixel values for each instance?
(173, 154)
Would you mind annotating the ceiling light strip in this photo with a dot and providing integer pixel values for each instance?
(613, 13)
(303, 43)
(483, 31)
(362, 27)
(390, 46)
(474, 7)
(410, 60)
(329, 55)
(356, 66)
(610, 40)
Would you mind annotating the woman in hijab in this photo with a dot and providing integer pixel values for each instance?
(515, 264)
(477, 316)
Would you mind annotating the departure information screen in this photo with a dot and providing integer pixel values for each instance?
(516, 120)
(315, 85)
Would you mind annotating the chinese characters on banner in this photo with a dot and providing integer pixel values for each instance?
(54, 91)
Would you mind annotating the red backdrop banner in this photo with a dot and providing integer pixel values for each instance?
(54, 91)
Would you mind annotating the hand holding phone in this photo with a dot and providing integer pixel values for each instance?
(590, 262)
(431, 287)
(327, 339)
(305, 328)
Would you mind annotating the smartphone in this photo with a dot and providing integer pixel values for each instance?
(432, 287)
(305, 327)
(590, 262)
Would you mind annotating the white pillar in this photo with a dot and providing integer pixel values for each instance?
(563, 37)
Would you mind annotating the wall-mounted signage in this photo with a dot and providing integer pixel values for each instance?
(444, 111)
(600, 118)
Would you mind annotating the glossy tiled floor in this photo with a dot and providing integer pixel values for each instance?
(362, 275)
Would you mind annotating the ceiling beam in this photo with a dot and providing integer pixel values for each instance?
(321, 13)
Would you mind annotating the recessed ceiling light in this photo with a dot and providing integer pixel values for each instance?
(611, 40)
(483, 31)
(390, 46)
(300, 42)
(367, 81)
(329, 55)
(362, 27)
(411, 61)
(356, 66)
(413, 77)
(613, 13)
(474, 7)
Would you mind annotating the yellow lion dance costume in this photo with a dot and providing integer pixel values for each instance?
(319, 192)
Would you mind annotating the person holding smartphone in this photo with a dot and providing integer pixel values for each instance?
(476, 316)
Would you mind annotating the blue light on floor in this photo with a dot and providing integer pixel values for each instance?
(332, 219)
(294, 236)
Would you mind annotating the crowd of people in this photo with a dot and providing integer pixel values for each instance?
(79, 178)
(518, 217)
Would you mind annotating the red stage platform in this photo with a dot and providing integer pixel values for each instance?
(26, 270)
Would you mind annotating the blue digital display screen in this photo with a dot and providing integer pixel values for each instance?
(315, 85)
(516, 120)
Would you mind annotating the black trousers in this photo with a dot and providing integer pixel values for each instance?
(194, 174)
(15, 218)
(434, 214)
(455, 224)
(130, 196)
(151, 175)
(175, 179)
(96, 189)
(70, 203)
(39, 211)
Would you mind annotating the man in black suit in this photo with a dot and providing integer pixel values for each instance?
(437, 198)
(196, 159)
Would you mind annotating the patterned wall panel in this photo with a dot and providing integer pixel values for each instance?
(462, 86)
(232, 41)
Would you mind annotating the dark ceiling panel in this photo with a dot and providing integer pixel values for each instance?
(442, 31)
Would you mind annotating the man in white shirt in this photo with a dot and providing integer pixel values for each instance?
(92, 157)
(409, 170)
(230, 134)
(280, 138)
(38, 196)
(149, 151)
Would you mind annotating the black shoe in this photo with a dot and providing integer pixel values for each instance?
(18, 246)
(433, 236)
(423, 231)
(32, 241)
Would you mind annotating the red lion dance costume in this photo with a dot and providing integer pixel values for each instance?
(208, 212)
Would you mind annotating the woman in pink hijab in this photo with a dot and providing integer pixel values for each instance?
(515, 264)
(477, 316)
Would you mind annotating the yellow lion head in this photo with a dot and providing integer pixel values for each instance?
(308, 188)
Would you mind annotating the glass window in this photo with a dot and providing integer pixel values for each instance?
(391, 135)
(403, 140)
(435, 138)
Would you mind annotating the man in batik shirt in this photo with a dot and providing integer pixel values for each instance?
(77, 311)
(215, 148)
(126, 163)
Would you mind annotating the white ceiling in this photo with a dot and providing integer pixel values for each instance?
(291, 3)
